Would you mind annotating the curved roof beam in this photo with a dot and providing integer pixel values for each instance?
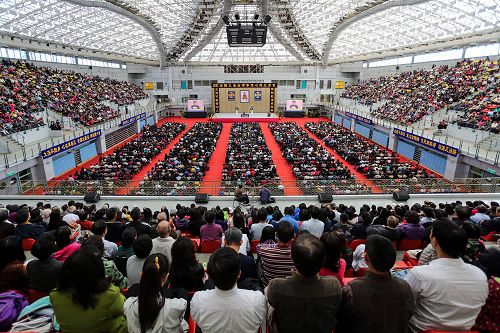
(215, 31)
(276, 34)
(144, 21)
(361, 13)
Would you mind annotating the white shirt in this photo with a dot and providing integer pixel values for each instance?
(244, 247)
(71, 218)
(479, 217)
(449, 295)
(358, 258)
(234, 310)
(163, 246)
(110, 248)
(314, 226)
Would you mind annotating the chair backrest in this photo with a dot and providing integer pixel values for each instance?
(191, 324)
(210, 246)
(489, 237)
(255, 242)
(354, 244)
(409, 244)
(28, 244)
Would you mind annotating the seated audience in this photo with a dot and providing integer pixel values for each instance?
(65, 242)
(481, 215)
(164, 242)
(313, 225)
(151, 311)
(45, 271)
(126, 249)
(185, 271)
(333, 264)
(412, 228)
(100, 228)
(389, 231)
(267, 238)
(85, 301)
(24, 228)
(447, 281)
(6, 227)
(13, 274)
(227, 308)
(305, 301)
(233, 238)
(142, 248)
(395, 302)
(210, 231)
(259, 225)
(492, 225)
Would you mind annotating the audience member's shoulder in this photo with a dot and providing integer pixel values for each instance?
(330, 281)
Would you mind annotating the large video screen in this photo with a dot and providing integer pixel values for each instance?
(195, 105)
(294, 105)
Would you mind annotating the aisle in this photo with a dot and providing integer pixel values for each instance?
(136, 179)
(211, 182)
(358, 175)
(283, 169)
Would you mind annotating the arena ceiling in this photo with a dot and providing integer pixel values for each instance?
(306, 31)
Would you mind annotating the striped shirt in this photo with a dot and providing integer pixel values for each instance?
(276, 262)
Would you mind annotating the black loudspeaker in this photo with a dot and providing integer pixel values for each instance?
(201, 198)
(92, 197)
(325, 197)
(401, 196)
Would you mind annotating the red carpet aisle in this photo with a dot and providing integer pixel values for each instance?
(212, 180)
(283, 169)
(358, 175)
(144, 171)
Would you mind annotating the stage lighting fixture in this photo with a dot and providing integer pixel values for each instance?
(237, 16)
(267, 19)
(226, 19)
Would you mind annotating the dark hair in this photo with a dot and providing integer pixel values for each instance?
(151, 299)
(135, 214)
(44, 247)
(183, 256)
(412, 217)
(22, 216)
(83, 276)
(285, 231)
(482, 209)
(288, 211)
(333, 249)
(99, 227)
(451, 238)
(261, 215)
(304, 214)
(11, 249)
(472, 230)
(142, 246)
(267, 234)
(308, 254)
(277, 215)
(224, 267)
(63, 236)
(210, 216)
(462, 212)
(315, 212)
(381, 252)
(181, 213)
(147, 213)
(219, 214)
(366, 218)
(428, 211)
(110, 214)
(238, 220)
(344, 218)
(96, 243)
(3, 215)
(128, 237)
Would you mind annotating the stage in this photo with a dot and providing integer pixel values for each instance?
(248, 117)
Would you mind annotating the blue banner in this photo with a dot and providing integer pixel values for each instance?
(54, 150)
(133, 119)
(359, 118)
(440, 147)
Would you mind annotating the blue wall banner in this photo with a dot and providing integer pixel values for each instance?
(440, 147)
(359, 118)
(54, 150)
(133, 119)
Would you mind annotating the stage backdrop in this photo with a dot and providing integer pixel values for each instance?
(226, 97)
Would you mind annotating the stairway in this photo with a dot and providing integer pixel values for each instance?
(7, 145)
(491, 143)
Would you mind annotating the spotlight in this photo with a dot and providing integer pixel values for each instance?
(226, 19)
(256, 16)
(267, 19)
(237, 16)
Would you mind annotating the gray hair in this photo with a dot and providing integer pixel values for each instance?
(233, 236)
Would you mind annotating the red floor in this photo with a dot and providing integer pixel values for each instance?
(283, 169)
(212, 180)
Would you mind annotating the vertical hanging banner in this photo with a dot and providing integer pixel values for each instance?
(244, 96)
(231, 95)
(257, 95)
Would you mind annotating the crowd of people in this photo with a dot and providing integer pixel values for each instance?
(106, 269)
(26, 89)
(470, 85)
(248, 159)
(369, 158)
(126, 161)
(188, 160)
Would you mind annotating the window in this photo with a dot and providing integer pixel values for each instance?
(439, 56)
(390, 62)
(482, 50)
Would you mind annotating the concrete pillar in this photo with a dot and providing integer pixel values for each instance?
(48, 167)
(451, 167)
(393, 141)
(100, 144)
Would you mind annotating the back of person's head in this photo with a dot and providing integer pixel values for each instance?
(482, 209)
(147, 213)
(23, 215)
(416, 207)
(11, 249)
(285, 231)
(472, 230)
(380, 252)
(100, 214)
(366, 218)
(181, 213)
(151, 299)
(72, 209)
(99, 227)
(333, 249)
(4, 215)
(304, 215)
(412, 217)
(450, 237)
(392, 221)
(83, 276)
(315, 211)
(142, 246)
(135, 214)
(277, 215)
(219, 215)
(224, 268)
(183, 255)
(428, 212)
(268, 233)
(462, 212)
(238, 220)
(233, 236)
(128, 237)
(63, 236)
(84, 216)
(261, 215)
(64, 207)
(288, 211)
(270, 210)
(163, 229)
(96, 243)
(111, 214)
(210, 216)
(308, 254)
(344, 218)
(162, 216)
(440, 214)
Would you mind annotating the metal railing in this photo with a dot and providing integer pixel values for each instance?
(227, 188)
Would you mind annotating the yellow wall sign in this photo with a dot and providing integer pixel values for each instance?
(339, 84)
(148, 85)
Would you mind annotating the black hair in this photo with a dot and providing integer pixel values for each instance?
(110, 214)
(315, 212)
(219, 215)
(267, 234)
(181, 213)
(288, 211)
(462, 212)
(239, 220)
(151, 298)
(308, 254)
(96, 243)
(344, 218)
(428, 211)
(11, 249)
(285, 231)
(3, 215)
(142, 246)
(381, 252)
(183, 257)
(99, 227)
(128, 237)
(472, 230)
(83, 276)
(210, 216)
(147, 213)
(304, 214)
(333, 249)
(22, 216)
(277, 215)
(135, 214)
(224, 267)
(451, 238)
(63, 236)
(412, 217)
(261, 215)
